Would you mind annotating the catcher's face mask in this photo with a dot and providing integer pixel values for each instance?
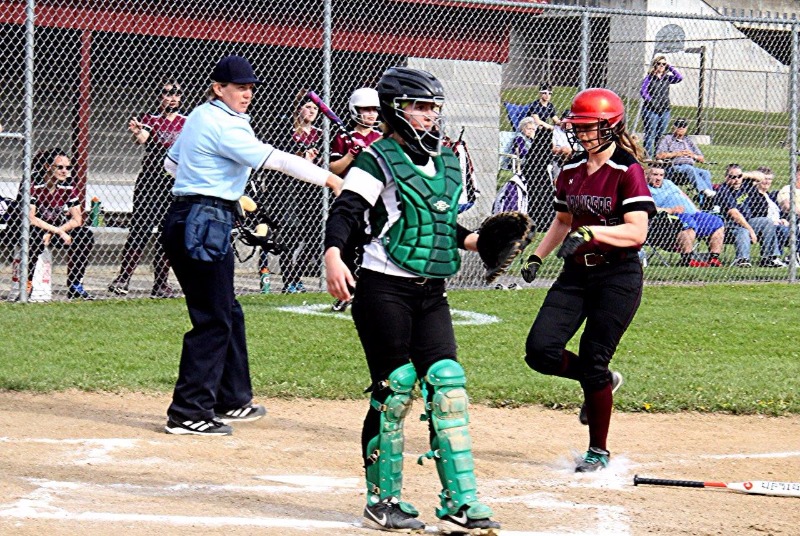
(425, 119)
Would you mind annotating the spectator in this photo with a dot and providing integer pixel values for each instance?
(655, 101)
(534, 167)
(746, 217)
(783, 197)
(522, 144)
(562, 148)
(151, 194)
(56, 217)
(683, 153)
(763, 185)
(696, 224)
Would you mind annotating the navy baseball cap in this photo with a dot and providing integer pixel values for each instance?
(681, 122)
(234, 69)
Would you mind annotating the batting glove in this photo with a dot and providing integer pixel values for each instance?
(577, 238)
(530, 267)
(354, 150)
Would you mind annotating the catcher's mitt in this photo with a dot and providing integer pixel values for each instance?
(502, 237)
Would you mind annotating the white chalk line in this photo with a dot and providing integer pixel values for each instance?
(460, 318)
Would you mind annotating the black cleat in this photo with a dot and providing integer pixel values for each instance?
(393, 516)
(460, 523)
(248, 412)
(211, 427)
(340, 306)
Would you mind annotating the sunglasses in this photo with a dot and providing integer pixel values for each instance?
(730, 176)
(661, 63)
(170, 92)
(62, 168)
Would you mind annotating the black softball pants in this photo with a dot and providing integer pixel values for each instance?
(400, 320)
(607, 298)
(79, 251)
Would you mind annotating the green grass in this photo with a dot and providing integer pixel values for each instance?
(729, 348)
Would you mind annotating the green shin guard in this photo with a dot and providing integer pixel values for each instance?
(384, 465)
(451, 446)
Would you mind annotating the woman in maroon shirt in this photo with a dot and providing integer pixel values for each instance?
(602, 205)
(56, 218)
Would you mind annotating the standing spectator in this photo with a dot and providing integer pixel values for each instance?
(534, 167)
(746, 216)
(682, 152)
(602, 205)
(56, 217)
(656, 107)
(211, 161)
(400, 307)
(696, 224)
(151, 194)
(562, 148)
(363, 106)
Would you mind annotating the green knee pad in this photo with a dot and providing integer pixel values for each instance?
(384, 465)
(451, 446)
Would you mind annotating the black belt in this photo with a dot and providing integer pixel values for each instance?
(599, 259)
(205, 200)
(416, 280)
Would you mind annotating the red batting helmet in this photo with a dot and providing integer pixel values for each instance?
(601, 107)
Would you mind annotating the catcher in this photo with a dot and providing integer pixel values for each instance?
(407, 186)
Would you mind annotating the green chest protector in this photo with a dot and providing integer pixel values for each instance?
(423, 240)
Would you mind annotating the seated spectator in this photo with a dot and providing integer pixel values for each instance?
(774, 212)
(783, 197)
(682, 152)
(746, 216)
(696, 224)
(56, 217)
(522, 143)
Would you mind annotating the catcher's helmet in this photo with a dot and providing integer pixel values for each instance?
(600, 107)
(401, 86)
(365, 97)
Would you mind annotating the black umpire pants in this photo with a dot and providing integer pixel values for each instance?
(607, 298)
(214, 375)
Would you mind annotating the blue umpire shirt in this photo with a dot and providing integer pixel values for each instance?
(215, 152)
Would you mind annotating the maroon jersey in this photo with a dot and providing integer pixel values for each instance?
(341, 144)
(163, 134)
(53, 206)
(603, 198)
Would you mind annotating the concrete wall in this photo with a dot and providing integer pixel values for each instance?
(472, 93)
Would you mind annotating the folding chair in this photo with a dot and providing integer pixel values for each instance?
(662, 234)
(516, 112)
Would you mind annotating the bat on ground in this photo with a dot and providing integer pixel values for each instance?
(755, 487)
(330, 114)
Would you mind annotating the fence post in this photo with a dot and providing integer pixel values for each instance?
(327, 33)
(793, 155)
(585, 29)
(27, 151)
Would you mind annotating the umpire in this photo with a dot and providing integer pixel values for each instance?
(211, 160)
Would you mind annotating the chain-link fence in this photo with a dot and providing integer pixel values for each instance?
(84, 79)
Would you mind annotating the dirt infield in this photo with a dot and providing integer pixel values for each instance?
(78, 463)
